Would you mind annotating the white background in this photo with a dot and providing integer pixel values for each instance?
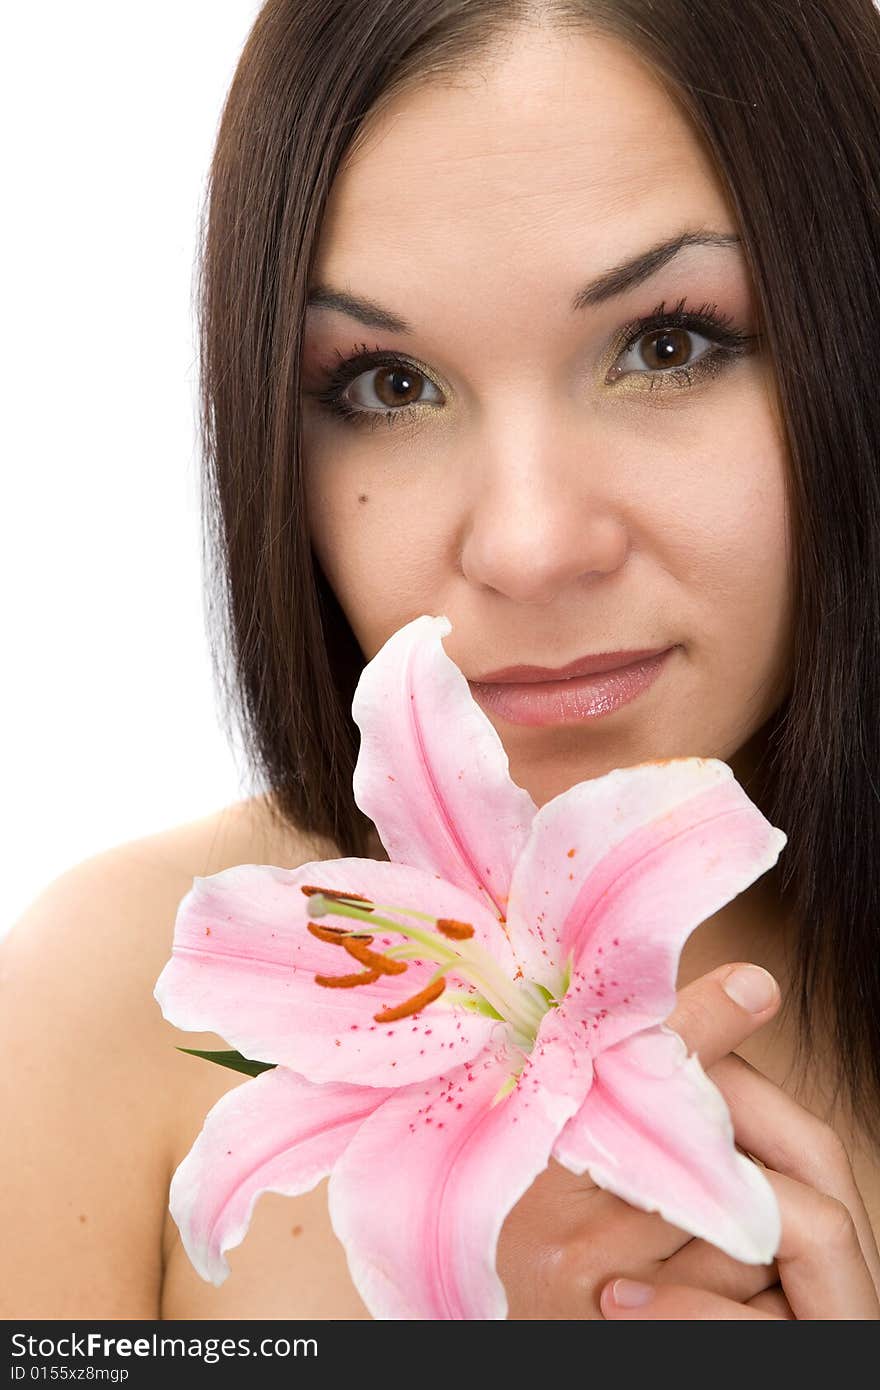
(110, 728)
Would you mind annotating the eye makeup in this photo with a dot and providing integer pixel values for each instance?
(660, 328)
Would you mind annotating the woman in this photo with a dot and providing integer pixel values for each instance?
(619, 266)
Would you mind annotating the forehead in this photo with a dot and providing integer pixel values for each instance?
(562, 143)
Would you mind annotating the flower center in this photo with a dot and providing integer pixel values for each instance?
(520, 1003)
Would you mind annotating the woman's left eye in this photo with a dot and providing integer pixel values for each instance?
(665, 350)
(659, 348)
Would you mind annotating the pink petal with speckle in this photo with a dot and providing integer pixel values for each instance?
(276, 1133)
(420, 1195)
(432, 773)
(243, 965)
(617, 873)
(655, 1130)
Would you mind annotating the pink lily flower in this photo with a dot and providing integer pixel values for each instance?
(508, 974)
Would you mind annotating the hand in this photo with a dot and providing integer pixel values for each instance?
(566, 1237)
(828, 1263)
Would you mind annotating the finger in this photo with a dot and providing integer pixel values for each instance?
(772, 1301)
(673, 1303)
(717, 1012)
(703, 1266)
(774, 1127)
(572, 1236)
(620, 1234)
(821, 1267)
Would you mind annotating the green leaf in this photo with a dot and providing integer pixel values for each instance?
(230, 1059)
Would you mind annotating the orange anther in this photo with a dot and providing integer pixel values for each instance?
(364, 977)
(412, 1006)
(459, 931)
(337, 936)
(309, 889)
(375, 960)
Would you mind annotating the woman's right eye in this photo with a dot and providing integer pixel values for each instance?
(370, 387)
(389, 387)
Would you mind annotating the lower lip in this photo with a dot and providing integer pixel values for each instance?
(569, 701)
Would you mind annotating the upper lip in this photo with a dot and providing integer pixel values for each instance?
(590, 665)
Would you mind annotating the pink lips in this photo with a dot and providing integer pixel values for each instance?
(583, 666)
(595, 686)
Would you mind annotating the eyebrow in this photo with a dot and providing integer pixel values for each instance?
(606, 286)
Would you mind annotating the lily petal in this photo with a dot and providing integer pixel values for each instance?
(419, 1197)
(276, 1133)
(655, 1130)
(432, 773)
(243, 965)
(617, 873)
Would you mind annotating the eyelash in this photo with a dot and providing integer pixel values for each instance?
(707, 321)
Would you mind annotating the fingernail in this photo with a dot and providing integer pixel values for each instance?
(628, 1294)
(752, 987)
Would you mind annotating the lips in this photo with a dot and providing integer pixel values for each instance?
(573, 699)
(583, 666)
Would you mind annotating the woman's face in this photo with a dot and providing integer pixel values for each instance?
(552, 490)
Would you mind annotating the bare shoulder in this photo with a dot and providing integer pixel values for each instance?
(101, 1103)
(101, 932)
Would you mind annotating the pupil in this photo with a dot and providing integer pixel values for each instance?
(394, 383)
(665, 346)
(401, 377)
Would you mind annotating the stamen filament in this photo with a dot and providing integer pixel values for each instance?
(405, 952)
(434, 945)
(438, 975)
(410, 911)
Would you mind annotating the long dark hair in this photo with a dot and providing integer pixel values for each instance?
(786, 96)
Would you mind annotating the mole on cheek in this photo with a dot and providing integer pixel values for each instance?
(362, 497)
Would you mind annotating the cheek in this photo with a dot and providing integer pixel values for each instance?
(742, 539)
(381, 551)
(740, 551)
(719, 498)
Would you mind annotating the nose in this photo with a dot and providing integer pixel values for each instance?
(539, 516)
